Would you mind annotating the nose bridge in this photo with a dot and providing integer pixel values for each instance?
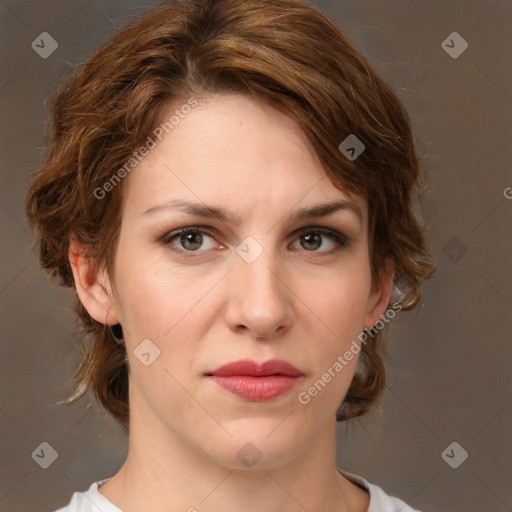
(257, 265)
(260, 295)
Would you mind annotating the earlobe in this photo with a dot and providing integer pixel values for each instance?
(92, 285)
(379, 298)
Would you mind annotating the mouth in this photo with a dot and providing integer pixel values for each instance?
(256, 382)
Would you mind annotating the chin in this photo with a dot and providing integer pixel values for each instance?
(262, 444)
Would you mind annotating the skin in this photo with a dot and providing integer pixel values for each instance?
(303, 300)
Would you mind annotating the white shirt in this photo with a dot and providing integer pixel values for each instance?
(92, 501)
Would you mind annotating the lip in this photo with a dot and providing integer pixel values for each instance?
(250, 368)
(256, 382)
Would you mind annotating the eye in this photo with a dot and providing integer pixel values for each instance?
(189, 239)
(313, 238)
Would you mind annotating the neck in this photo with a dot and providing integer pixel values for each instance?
(163, 472)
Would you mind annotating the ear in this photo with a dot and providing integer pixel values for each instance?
(93, 286)
(380, 295)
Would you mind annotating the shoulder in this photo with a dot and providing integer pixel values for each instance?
(90, 501)
(379, 500)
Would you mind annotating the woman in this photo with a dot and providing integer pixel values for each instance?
(230, 188)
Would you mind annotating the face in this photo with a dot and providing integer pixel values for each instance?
(261, 283)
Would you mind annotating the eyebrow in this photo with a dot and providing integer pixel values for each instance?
(223, 215)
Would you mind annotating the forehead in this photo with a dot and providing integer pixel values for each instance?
(234, 151)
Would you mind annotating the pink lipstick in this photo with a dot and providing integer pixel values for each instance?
(256, 382)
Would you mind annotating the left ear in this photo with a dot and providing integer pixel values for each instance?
(379, 297)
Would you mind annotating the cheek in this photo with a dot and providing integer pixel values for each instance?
(160, 300)
(147, 301)
(341, 304)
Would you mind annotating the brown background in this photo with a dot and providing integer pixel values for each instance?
(451, 360)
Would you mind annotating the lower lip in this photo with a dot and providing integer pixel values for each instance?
(256, 389)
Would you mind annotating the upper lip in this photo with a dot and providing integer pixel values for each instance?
(255, 369)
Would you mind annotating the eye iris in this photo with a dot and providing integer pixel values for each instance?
(195, 239)
(314, 238)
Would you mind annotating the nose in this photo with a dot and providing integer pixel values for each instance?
(259, 297)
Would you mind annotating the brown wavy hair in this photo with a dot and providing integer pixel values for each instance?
(284, 52)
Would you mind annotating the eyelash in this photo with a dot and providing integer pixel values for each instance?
(341, 239)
